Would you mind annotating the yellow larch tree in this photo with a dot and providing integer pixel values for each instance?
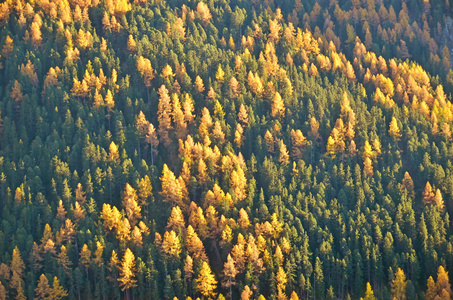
(164, 113)
(399, 285)
(17, 268)
(113, 152)
(43, 289)
(171, 244)
(57, 292)
(229, 274)
(7, 47)
(204, 12)
(238, 183)
(194, 245)
(243, 220)
(277, 106)
(298, 142)
(85, 257)
(283, 157)
(206, 282)
(394, 129)
(239, 135)
(269, 140)
(176, 220)
(63, 260)
(127, 272)
(130, 204)
(171, 188)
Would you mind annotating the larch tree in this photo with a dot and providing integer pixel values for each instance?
(164, 113)
(204, 12)
(127, 272)
(63, 260)
(8, 47)
(394, 129)
(85, 258)
(281, 279)
(194, 245)
(229, 275)
(130, 204)
(443, 283)
(176, 220)
(171, 244)
(57, 292)
(431, 292)
(246, 293)
(428, 194)
(113, 152)
(369, 294)
(171, 188)
(238, 183)
(298, 142)
(277, 106)
(145, 190)
(43, 289)
(206, 282)
(399, 285)
(17, 268)
(283, 157)
(152, 140)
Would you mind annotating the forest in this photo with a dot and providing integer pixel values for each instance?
(226, 149)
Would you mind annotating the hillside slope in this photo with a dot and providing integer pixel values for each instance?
(242, 150)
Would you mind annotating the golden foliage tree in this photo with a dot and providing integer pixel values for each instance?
(130, 204)
(229, 274)
(204, 12)
(277, 106)
(171, 187)
(194, 245)
(394, 129)
(127, 272)
(57, 292)
(206, 282)
(399, 285)
(171, 244)
(43, 289)
(164, 116)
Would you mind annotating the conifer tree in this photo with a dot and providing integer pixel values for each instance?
(127, 272)
(206, 282)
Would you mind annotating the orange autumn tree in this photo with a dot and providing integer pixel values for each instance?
(204, 12)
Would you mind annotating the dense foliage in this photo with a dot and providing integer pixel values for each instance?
(240, 149)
